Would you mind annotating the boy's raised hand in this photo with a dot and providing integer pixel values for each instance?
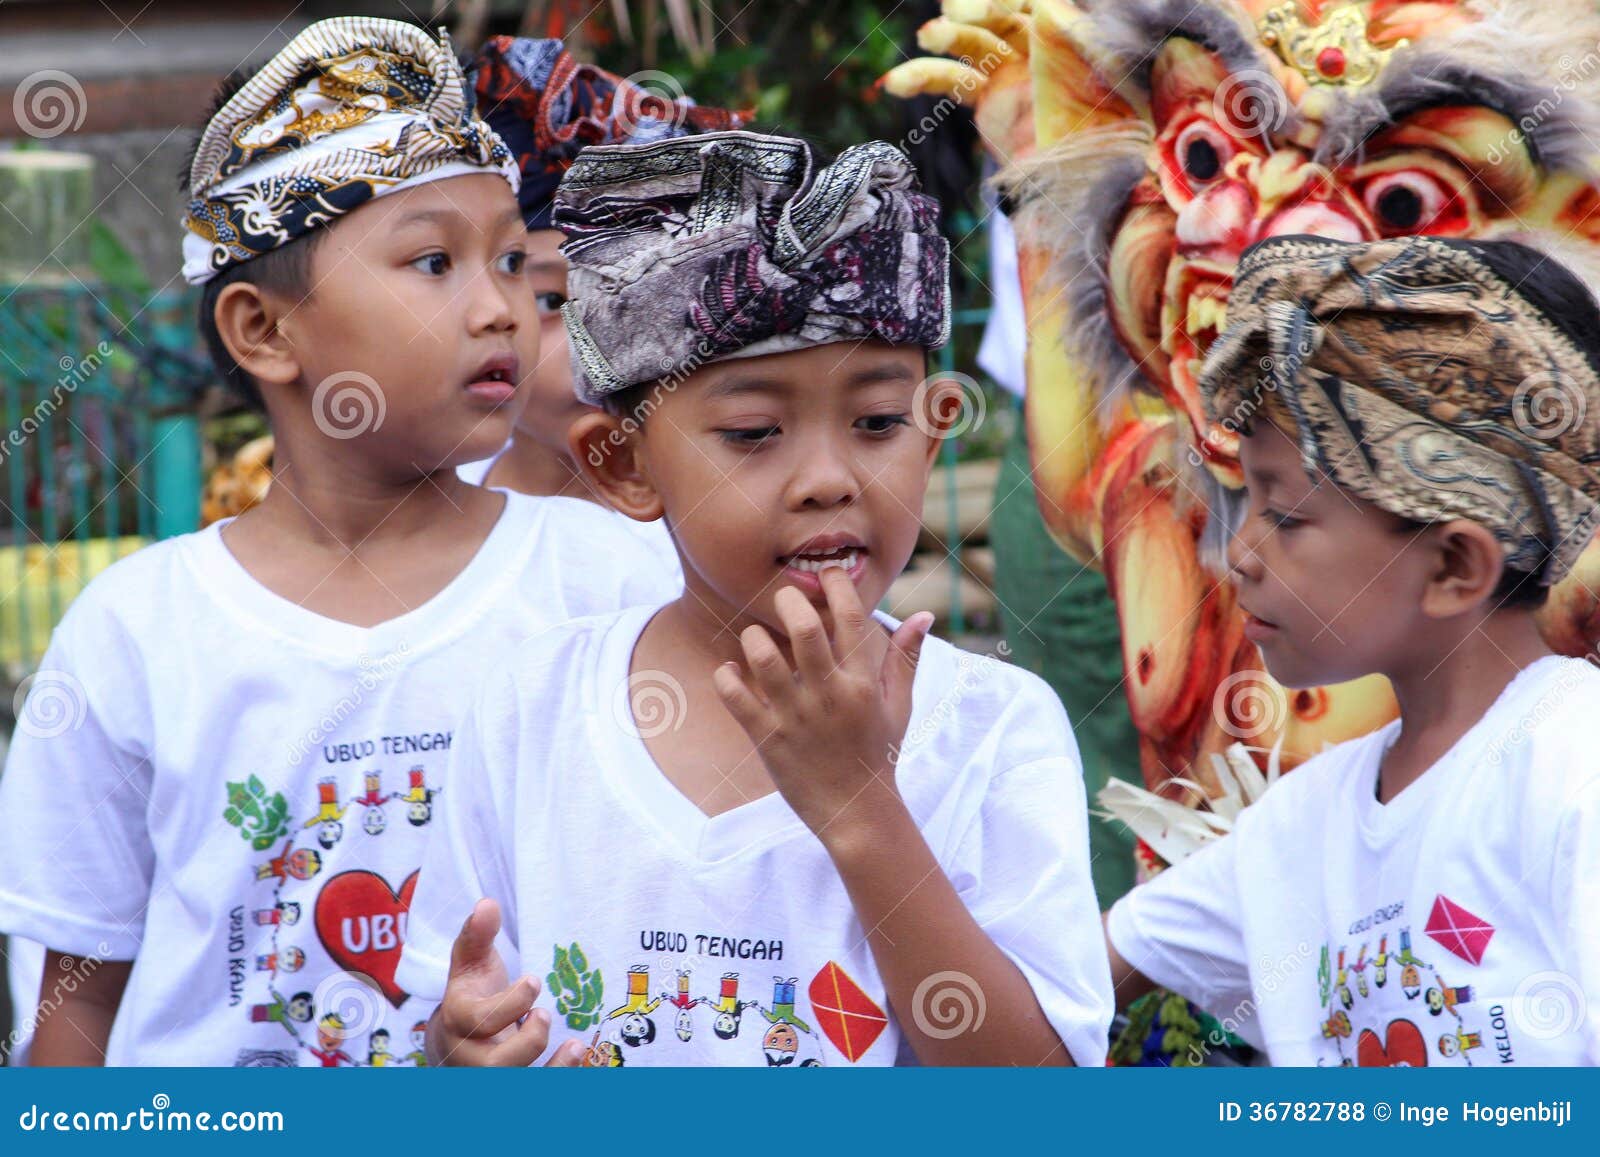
(484, 1020)
(828, 730)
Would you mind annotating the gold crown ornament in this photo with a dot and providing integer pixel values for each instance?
(1334, 52)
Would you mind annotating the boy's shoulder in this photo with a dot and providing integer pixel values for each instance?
(1543, 741)
(136, 588)
(968, 701)
(571, 652)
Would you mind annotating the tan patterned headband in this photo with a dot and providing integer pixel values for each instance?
(1421, 380)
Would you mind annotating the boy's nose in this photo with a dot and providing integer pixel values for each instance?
(489, 307)
(1244, 564)
(823, 478)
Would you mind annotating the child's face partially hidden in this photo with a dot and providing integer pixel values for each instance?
(551, 405)
(421, 294)
(768, 466)
(1331, 585)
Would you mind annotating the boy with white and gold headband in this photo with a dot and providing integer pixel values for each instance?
(232, 824)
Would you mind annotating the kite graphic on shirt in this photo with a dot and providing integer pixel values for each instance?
(1403, 1042)
(850, 1019)
(1458, 930)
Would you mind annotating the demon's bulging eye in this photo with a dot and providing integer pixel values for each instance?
(1203, 150)
(1407, 201)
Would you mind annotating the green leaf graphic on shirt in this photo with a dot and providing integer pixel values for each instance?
(578, 991)
(260, 818)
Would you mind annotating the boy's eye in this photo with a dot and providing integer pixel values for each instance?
(881, 423)
(1281, 520)
(513, 262)
(748, 435)
(550, 301)
(433, 264)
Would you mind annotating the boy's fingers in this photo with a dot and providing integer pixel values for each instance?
(740, 701)
(521, 1048)
(568, 1056)
(808, 638)
(474, 949)
(480, 1017)
(850, 619)
(767, 668)
(905, 649)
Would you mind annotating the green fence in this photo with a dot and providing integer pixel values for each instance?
(99, 445)
(100, 448)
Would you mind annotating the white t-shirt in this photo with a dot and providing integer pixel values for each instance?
(24, 968)
(654, 535)
(1454, 925)
(669, 938)
(234, 791)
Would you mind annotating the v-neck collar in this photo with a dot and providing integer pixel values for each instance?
(645, 788)
(1381, 822)
(492, 567)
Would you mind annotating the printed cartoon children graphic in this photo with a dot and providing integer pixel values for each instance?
(298, 1008)
(331, 1036)
(329, 817)
(730, 1009)
(285, 913)
(636, 1026)
(419, 798)
(710, 1027)
(683, 1025)
(373, 821)
(781, 1042)
(1383, 1024)
(301, 863)
(308, 921)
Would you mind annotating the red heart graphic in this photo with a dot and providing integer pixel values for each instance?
(361, 922)
(1403, 1046)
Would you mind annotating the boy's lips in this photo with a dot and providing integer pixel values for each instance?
(495, 381)
(1256, 628)
(803, 566)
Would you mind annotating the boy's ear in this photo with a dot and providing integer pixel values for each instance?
(248, 320)
(1470, 560)
(947, 406)
(608, 454)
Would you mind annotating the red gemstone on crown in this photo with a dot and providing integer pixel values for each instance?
(1331, 61)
